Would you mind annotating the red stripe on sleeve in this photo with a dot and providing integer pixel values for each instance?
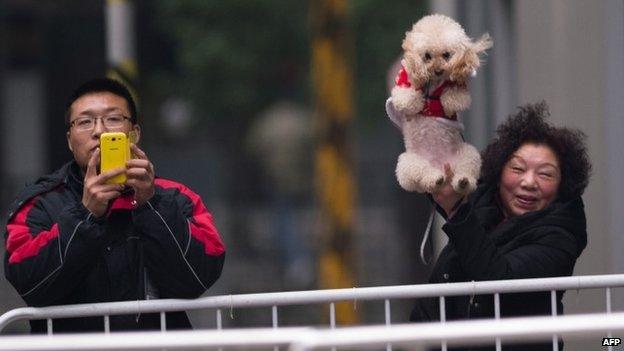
(21, 243)
(202, 224)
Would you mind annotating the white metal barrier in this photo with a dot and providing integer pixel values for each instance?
(305, 339)
(274, 300)
(514, 330)
(330, 296)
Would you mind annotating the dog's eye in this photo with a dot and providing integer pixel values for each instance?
(427, 56)
(447, 55)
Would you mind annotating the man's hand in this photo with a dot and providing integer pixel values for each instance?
(140, 174)
(96, 193)
(446, 197)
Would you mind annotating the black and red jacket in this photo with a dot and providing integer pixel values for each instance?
(58, 253)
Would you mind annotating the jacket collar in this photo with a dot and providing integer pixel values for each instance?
(74, 178)
(568, 215)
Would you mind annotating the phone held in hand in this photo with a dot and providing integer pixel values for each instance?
(114, 152)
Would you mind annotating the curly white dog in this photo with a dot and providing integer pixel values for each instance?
(430, 89)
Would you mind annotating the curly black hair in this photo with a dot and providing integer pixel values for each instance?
(529, 126)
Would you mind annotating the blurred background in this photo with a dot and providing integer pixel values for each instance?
(272, 111)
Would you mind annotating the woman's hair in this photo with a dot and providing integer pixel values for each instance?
(529, 126)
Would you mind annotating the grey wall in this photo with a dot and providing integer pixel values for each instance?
(564, 52)
(614, 127)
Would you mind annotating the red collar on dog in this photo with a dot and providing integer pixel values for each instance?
(433, 106)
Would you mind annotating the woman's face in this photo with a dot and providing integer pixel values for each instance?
(529, 180)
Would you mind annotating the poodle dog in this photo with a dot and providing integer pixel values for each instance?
(430, 90)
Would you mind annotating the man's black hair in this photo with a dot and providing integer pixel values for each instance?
(100, 85)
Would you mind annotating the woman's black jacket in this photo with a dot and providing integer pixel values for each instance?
(482, 246)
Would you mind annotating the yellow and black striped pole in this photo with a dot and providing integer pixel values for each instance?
(120, 43)
(333, 92)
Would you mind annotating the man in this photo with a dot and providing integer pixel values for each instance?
(72, 238)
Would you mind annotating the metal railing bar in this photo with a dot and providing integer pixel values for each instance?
(608, 308)
(172, 340)
(274, 321)
(553, 307)
(219, 320)
(364, 337)
(274, 317)
(497, 315)
(219, 323)
(106, 324)
(315, 296)
(469, 332)
(332, 315)
(443, 319)
(387, 319)
(332, 319)
(163, 322)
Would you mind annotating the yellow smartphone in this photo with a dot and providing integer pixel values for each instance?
(114, 152)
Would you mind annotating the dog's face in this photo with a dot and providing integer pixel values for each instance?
(433, 61)
(438, 62)
(437, 49)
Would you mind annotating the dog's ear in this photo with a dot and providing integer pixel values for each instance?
(463, 64)
(484, 43)
(413, 62)
(466, 63)
(416, 69)
(414, 41)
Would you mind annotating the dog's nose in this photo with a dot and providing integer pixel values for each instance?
(438, 72)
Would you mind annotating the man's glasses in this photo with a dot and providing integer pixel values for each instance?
(86, 123)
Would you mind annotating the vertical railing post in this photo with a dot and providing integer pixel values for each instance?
(443, 318)
(332, 319)
(219, 323)
(106, 324)
(608, 305)
(274, 322)
(163, 322)
(497, 314)
(553, 307)
(388, 320)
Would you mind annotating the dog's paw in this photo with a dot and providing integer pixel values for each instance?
(464, 184)
(407, 101)
(432, 181)
(408, 182)
(454, 100)
(408, 172)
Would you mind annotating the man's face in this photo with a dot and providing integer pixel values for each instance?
(82, 143)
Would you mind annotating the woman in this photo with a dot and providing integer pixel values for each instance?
(525, 220)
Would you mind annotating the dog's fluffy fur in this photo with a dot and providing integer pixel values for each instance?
(437, 52)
